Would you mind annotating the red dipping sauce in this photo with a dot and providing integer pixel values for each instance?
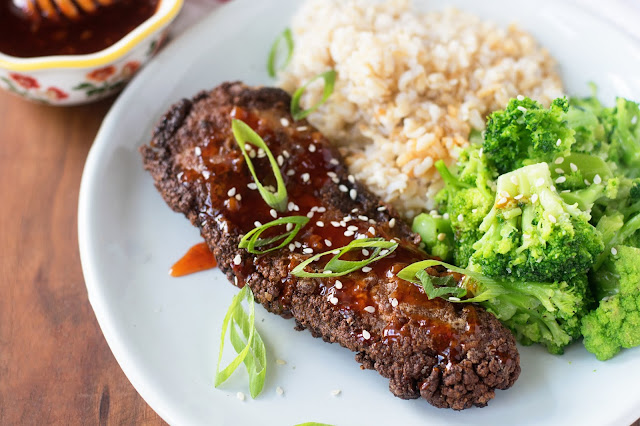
(23, 38)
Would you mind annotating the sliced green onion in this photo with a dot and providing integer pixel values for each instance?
(329, 78)
(271, 62)
(411, 274)
(446, 286)
(251, 241)
(243, 134)
(246, 341)
(337, 267)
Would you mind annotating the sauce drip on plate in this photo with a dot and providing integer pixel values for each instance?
(198, 258)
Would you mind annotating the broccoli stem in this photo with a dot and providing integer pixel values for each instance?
(448, 177)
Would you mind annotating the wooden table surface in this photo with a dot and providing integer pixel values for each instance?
(55, 365)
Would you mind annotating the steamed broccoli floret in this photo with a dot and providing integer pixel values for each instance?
(625, 135)
(527, 133)
(536, 312)
(436, 234)
(467, 196)
(532, 234)
(615, 324)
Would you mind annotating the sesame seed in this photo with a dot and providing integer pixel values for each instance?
(273, 213)
(334, 161)
(351, 179)
(365, 252)
(349, 233)
(586, 182)
(517, 197)
(291, 172)
(279, 390)
(343, 188)
(394, 302)
(252, 154)
(312, 148)
(371, 230)
(290, 205)
(370, 309)
(520, 97)
(597, 179)
(298, 244)
(334, 300)
(281, 361)
(280, 160)
(301, 128)
(328, 243)
(206, 174)
(286, 154)
(574, 168)
(336, 392)
(561, 179)
(331, 174)
(382, 208)
(614, 251)
(366, 335)
(327, 271)
(460, 218)
(352, 228)
(292, 247)
(552, 218)
(540, 182)
(231, 192)
(392, 222)
(284, 122)
(362, 217)
(534, 198)
(197, 150)
(559, 160)
(262, 153)
(553, 188)
(353, 194)
(502, 200)
(521, 108)
(454, 299)
(335, 224)
(442, 236)
(240, 396)
(559, 171)
(338, 284)
(289, 227)
(634, 119)
(513, 179)
(237, 260)
(235, 281)
(310, 215)
(307, 250)
(366, 269)
(446, 215)
(321, 209)
(433, 212)
(559, 142)
(238, 197)
(335, 180)
(320, 223)
(257, 224)
(305, 177)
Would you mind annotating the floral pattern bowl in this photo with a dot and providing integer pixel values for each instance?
(78, 79)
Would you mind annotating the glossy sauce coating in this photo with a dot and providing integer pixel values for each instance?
(308, 170)
(197, 258)
(24, 38)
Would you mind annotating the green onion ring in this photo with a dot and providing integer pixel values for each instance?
(338, 267)
(329, 78)
(243, 134)
(252, 239)
(271, 62)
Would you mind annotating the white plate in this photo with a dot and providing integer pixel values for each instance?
(164, 331)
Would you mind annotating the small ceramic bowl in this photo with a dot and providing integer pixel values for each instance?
(78, 79)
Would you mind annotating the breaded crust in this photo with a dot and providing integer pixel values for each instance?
(453, 355)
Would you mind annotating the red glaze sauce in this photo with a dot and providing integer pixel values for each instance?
(26, 38)
(198, 258)
(308, 172)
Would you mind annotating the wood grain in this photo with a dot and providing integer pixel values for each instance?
(55, 366)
